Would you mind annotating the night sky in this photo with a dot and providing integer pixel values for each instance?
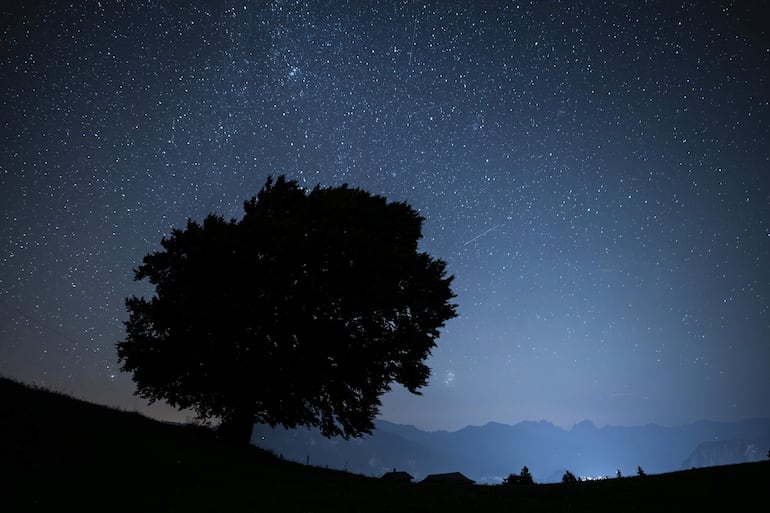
(596, 175)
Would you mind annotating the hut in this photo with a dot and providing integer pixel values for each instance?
(450, 477)
(397, 476)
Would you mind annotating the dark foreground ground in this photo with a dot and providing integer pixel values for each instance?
(59, 454)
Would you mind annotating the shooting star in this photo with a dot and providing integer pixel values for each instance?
(477, 237)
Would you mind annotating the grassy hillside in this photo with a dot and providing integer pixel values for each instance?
(61, 454)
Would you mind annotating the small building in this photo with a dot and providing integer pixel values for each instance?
(450, 477)
(397, 475)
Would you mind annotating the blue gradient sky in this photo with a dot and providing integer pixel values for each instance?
(596, 176)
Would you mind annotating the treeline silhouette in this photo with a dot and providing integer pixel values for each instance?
(525, 477)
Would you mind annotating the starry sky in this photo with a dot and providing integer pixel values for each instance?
(596, 174)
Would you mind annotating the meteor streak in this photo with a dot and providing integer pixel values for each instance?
(482, 234)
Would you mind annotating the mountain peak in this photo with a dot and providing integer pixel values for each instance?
(584, 425)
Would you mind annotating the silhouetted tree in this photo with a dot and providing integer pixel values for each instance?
(568, 478)
(640, 472)
(302, 313)
(525, 478)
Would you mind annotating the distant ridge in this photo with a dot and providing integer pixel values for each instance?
(724, 452)
(489, 453)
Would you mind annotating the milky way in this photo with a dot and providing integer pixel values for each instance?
(596, 176)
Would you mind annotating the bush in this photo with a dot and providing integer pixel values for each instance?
(525, 478)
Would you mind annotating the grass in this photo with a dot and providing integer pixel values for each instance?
(63, 454)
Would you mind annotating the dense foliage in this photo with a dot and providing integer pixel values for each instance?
(304, 312)
(524, 478)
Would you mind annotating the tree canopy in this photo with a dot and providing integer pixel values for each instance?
(524, 478)
(303, 313)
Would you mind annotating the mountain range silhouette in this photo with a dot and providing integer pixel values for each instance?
(491, 452)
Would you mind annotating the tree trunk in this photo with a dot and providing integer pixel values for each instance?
(236, 428)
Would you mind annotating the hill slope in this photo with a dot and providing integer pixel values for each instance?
(69, 455)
